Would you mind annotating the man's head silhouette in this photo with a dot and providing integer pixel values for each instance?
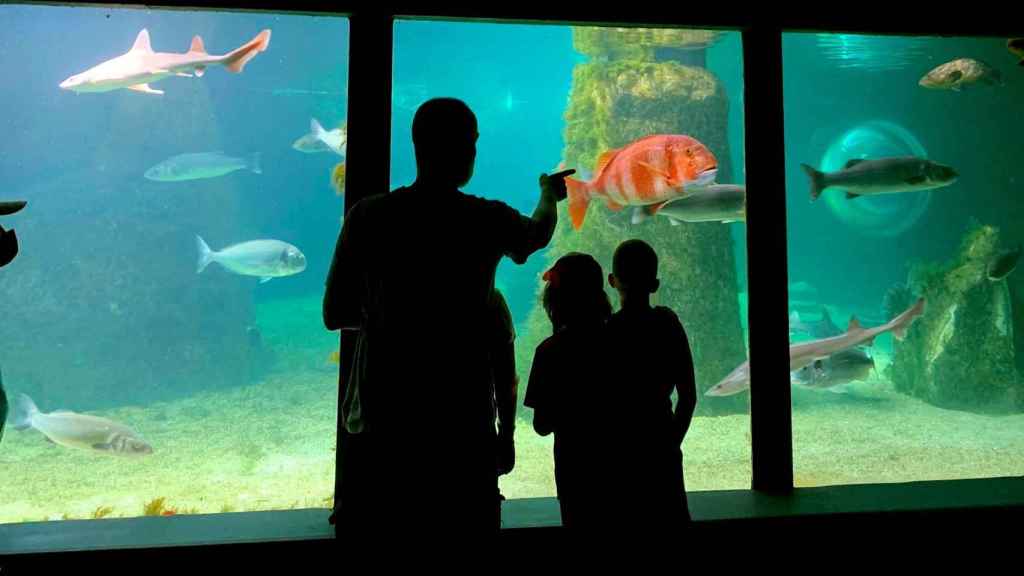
(444, 133)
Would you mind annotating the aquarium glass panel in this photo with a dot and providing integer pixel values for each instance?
(161, 339)
(552, 96)
(903, 170)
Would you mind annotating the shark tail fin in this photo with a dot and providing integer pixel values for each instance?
(904, 320)
(236, 60)
(197, 45)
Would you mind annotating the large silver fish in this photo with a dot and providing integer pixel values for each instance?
(803, 353)
(140, 65)
(199, 165)
(882, 176)
(263, 258)
(960, 73)
(713, 203)
(80, 431)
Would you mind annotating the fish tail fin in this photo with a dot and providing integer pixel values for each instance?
(24, 410)
(579, 199)
(904, 320)
(197, 45)
(205, 254)
(235, 61)
(315, 129)
(817, 181)
(254, 163)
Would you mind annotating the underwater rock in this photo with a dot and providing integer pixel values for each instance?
(612, 104)
(650, 44)
(961, 353)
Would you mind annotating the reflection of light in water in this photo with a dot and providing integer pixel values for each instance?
(872, 52)
(883, 214)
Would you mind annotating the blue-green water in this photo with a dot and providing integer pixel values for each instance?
(103, 311)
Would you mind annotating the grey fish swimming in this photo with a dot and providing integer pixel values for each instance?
(81, 431)
(838, 369)
(140, 65)
(263, 258)
(199, 165)
(1003, 263)
(882, 176)
(803, 353)
(713, 203)
(960, 73)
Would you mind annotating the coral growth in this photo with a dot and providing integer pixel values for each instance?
(154, 507)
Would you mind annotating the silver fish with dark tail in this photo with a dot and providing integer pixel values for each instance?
(80, 431)
(882, 176)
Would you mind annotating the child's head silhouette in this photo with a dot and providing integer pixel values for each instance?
(574, 292)
(634, 268)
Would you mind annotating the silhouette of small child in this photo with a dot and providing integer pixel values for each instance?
(654, 360)
(566, 384)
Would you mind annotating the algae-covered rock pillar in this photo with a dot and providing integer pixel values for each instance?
(960, 353)
(636, 84)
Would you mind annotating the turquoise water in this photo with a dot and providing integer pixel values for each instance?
(229, 380)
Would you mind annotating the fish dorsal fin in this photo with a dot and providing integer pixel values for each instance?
(197, 45)
(854, 325)
(852, 162)
(142, 42)
(604, 160)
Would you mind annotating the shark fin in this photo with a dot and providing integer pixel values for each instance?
(144, 88)
(854, 325)
(142, 42)
(197, 45)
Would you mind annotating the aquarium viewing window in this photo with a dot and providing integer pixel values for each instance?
(179, 229)
(174, 247)
(566, 96)
(923, 227)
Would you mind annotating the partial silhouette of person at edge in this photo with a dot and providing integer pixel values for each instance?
(412, 280)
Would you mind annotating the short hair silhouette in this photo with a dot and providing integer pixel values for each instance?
(441, 126)
(635, 264)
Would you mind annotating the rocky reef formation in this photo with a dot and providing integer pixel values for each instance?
(961, 353)
(624, 93)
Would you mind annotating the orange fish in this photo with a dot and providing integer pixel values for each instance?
(646, 173)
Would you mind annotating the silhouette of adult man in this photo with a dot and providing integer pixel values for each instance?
(411, 278)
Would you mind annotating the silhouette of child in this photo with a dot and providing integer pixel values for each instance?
(565, 388)
(655, 360)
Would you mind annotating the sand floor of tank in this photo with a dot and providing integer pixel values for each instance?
(271, 446)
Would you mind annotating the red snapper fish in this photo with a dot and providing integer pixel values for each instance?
(646, 174)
